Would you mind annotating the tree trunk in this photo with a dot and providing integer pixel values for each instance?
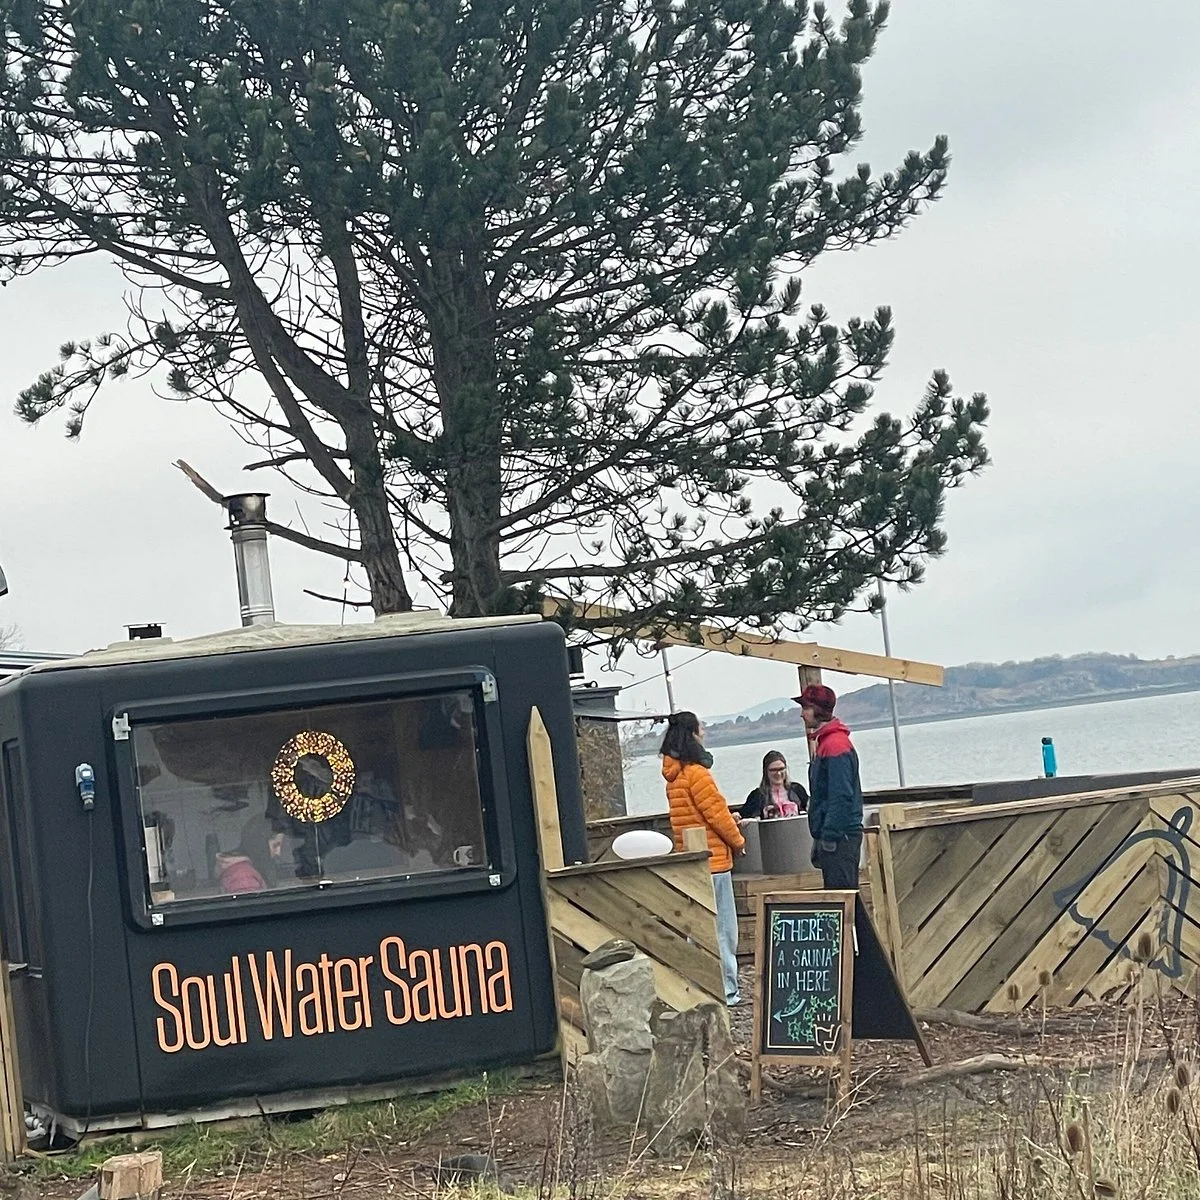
(463, 336)
(376, 532)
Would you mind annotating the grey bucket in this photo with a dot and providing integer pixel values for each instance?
(786, 846)
(750, 863)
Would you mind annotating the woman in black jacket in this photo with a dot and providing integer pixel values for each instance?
(776, 794)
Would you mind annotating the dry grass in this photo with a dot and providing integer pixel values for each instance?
(1125, 1129)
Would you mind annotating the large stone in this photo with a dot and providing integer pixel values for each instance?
(612, 952)
(617, 1002)
(693, 1091)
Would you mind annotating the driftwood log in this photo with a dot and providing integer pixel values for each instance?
(980, 1064)
(1030, 1023)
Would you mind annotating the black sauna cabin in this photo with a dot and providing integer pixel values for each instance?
(280, 866)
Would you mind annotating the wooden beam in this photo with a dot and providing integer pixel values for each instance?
(809, 655)
(545, 792)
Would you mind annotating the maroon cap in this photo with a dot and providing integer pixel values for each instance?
(817, 696)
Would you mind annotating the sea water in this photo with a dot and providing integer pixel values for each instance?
(1143, 734)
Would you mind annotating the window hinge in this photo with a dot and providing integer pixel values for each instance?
(489, 689)
(121, 727)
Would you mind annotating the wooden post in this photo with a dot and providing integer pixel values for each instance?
(545, 792)
(550, 850)
(809, 676)
(132, 1176)
(12, 1105)
(888, 814)
(694, 839)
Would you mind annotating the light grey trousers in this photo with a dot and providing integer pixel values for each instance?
(727, 933)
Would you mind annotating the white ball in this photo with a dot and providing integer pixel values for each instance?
(641, 843)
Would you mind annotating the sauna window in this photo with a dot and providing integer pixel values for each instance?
(240, 806)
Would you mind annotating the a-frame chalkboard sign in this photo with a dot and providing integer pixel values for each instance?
(803, 983)
(813, 953)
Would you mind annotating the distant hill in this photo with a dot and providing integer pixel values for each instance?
(979, 688)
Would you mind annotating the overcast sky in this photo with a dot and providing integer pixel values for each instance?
(1058, 274)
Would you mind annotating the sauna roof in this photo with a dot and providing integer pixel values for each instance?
(276, 636)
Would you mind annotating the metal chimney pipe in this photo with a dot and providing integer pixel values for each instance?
(248, 530)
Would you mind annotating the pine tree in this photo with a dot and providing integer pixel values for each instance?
(519, 282)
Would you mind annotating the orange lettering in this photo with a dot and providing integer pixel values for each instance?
(241, 1000)
(196, 984)
(272, 997)
(311, 1000)
(465, 953)
(325, 963)
(444, 1010)
(230, 1008)
(428, 1011)
(347, 991)
(398, 945)
(176, 1043)
(363, 964)
(499, 977)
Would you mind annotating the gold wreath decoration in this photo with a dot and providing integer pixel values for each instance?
(313, 809)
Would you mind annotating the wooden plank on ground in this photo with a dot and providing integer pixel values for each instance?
(991, 972)
(942, 886)
(589, 934)
(1051, 951)
(680, 912)
(1002, 909)
(961, 905)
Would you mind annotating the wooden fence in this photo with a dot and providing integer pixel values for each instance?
(1050, 899)
(747, 889)
(665, 906)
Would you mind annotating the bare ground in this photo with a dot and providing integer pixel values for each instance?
(794, 1145)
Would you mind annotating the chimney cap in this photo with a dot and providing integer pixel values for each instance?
(247, 508)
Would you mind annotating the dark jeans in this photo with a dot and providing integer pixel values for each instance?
(839, 867)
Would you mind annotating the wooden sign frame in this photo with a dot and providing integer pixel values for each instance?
(839, 1062)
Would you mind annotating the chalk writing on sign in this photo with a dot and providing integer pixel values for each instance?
(801, 991)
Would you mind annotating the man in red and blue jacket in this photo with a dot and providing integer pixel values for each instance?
(835, 806)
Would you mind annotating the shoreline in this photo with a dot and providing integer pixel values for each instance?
(1176, 689)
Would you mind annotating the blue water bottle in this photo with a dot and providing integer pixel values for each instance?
(1049, 759)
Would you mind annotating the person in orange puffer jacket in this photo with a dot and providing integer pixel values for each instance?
(696, 801)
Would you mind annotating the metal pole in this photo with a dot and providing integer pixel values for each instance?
(887, 649)
(666, 662)
(248, 529)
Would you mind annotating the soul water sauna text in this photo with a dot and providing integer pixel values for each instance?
(276, 994)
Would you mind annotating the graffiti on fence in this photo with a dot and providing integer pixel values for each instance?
(1172, 846)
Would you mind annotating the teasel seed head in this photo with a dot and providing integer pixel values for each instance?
(1075, 1138)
